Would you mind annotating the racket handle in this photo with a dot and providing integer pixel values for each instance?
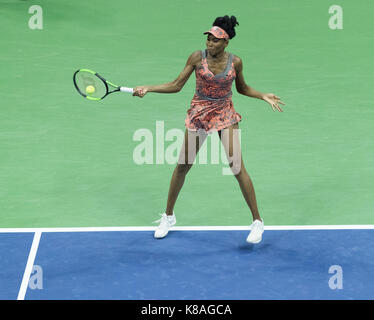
(128, 90)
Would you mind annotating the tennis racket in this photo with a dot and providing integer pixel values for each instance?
(93, 86)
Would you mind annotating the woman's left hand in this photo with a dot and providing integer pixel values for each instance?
(273, 100)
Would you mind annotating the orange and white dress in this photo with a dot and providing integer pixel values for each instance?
(211, 106)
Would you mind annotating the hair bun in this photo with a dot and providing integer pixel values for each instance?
(227, 23)
(234, 22)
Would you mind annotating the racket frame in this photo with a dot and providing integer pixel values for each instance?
(106, 82)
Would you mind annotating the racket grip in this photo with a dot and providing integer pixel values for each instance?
(128, 90)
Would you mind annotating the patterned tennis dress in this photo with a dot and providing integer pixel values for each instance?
(211, 106)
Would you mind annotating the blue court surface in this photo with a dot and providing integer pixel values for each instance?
(191, 264)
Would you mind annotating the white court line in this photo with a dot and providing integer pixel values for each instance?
(186, 228)
(29, 266)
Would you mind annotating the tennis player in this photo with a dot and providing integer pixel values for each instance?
(212, 110)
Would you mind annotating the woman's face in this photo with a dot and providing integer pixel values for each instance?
(215, 45)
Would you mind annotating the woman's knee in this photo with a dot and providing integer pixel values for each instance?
(236, 165)
(237, 168)
(183, 168)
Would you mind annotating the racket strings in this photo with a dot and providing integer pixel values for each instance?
(88, 84)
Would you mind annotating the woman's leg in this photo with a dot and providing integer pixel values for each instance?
(230, 140)
(191, 145)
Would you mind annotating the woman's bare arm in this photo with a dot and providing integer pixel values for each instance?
(177, 84)
(248, 91)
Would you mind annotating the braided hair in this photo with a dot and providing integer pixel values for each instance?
(227, 23)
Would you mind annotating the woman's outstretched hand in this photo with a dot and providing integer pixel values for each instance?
(273, 100)
(140, 91)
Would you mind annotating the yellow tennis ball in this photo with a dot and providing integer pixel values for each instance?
(90, 89)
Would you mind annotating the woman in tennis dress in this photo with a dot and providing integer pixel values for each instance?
(212, 110)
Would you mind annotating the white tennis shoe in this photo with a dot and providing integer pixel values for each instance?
(257, 229)
(166, 222)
